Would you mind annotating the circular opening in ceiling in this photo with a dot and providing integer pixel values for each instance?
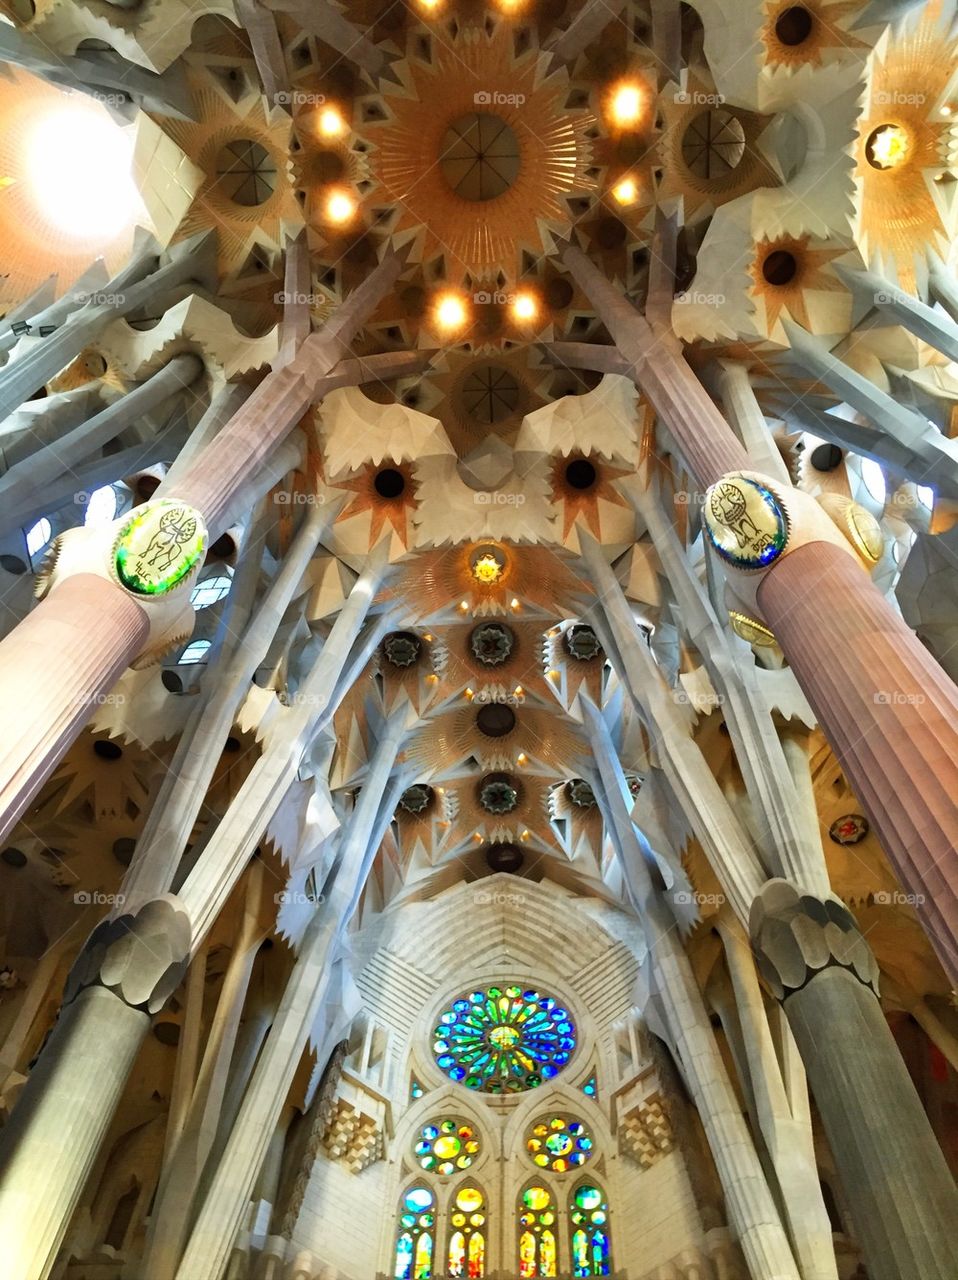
(826, 457)
(794, 25)
(495, 719)
(580, 474)
(713, 144)
(146, 486)
(107, 750)
(504, 857)
(246, 172)
(389, 483)
(123, 850)
(887, 146)
(222, 548)
(779, 267)
(558, 294)
(490, 394)
(13, 564)
(479, 156)
(14, 857)
(167, 1033)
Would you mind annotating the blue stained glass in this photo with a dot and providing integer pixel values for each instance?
(503, 1040)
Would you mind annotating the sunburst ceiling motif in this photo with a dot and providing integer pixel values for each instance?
(810, 33)
(479, 153)
(786, 271)
(901, 215)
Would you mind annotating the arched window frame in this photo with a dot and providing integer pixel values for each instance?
(469, 1229)
(415, 1232)
(542, 1232)
(591, 1229)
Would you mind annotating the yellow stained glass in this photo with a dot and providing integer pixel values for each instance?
(469, 1199)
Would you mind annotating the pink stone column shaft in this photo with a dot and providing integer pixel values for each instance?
(69, 650)
(890, 713)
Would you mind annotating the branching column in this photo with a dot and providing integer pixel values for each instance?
(886, 706)
(902, 1196)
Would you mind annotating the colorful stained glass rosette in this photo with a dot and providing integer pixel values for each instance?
(503, 1040)
(158, 547)
(447, 1146)
(559, 1144)
(414, 1246)
(589, 1214)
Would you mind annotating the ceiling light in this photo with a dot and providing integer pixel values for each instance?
(525, 306)
(340, 207)
(451, 312)
(627, 103)
(626, 191)
(331, 122)
(487, 569)
(887, 147)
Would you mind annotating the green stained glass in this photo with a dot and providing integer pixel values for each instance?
(159, 546)
(503, 1040)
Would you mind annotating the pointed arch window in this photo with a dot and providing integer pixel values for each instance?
(589, 1227)
(537, 1233)
(467, 1234)
(416, 1239)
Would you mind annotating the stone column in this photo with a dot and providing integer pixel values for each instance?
(902, 1197)
(71, 648)
(125, 973)
(890, 713)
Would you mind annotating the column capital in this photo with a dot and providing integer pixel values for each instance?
(141, 956)
(796, 936)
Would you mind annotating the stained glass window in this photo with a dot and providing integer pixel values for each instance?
(503, 1040)
(415, 1089)
(537, 1233)
(590, 1088)
(414, 1245)
(559, 1144)
(446, 1146)
(467, 1237)
(589, 1225)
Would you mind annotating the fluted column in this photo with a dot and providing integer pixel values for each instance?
(902, 1196)
(124, 974)
(891, 714)
(53, 666)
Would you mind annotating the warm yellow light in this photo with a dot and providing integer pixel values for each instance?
(521, 758)
(626, 191)
(340, 207)
(331, 123)
(463, 604)
(626, 105)
(513, 603)
(451, 312)
(518, 691)
(525, 306)
(487, 569)
(887, 147)
(946, 111)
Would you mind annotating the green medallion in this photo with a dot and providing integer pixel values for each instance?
(158, 547)
(745, 522)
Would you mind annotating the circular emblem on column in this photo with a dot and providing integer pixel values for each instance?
(159, 546)
(864, 532)
(745, 522)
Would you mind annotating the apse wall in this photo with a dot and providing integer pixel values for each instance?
(410, 966)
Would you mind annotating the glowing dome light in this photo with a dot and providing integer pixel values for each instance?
(331, 122)
(626, 191)
(525, 306)
(79, 164)
(487, 569)
(887, 147)
(451, 312)
(340, 207)
(627, 104)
